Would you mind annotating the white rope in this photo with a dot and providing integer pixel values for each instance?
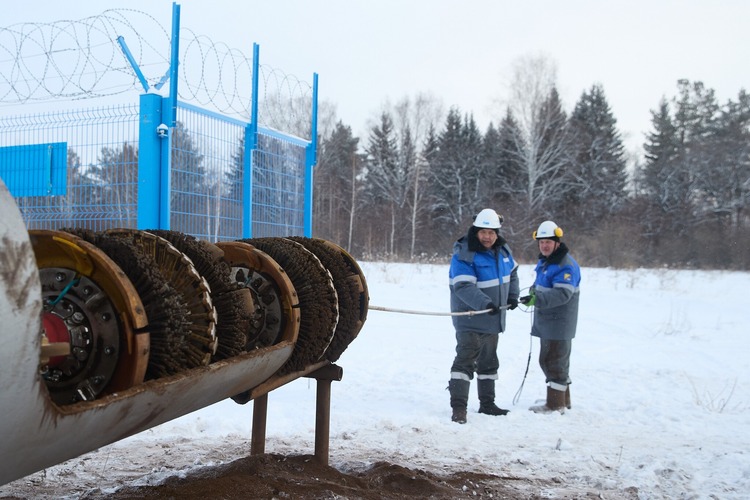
(427, 313)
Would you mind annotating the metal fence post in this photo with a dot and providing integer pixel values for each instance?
(311, 158)
(149, 157)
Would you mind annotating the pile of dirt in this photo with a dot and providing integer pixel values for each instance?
(302, 477)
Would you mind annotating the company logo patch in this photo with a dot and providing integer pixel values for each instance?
(566, 276)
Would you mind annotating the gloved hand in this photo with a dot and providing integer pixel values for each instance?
(494, 309)
(528, 300)
(512, 304)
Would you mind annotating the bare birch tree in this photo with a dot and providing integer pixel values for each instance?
(543, 137)
(418, 116)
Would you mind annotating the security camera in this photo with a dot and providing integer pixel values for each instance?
(162, 130)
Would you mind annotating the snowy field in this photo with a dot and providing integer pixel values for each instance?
(660, 394)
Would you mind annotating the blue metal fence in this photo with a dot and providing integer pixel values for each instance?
(278, 185)
(94, 185)
(94, 182)
(81, 169)
(161, 164)
(207, 175)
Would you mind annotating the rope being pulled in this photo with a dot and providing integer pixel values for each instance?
(517, 396)
(428, 313)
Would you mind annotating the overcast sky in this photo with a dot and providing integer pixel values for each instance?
(369, 52)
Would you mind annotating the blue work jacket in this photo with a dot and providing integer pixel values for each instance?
(557, 289)
(478, 279)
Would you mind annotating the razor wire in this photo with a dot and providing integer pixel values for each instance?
(81, 59)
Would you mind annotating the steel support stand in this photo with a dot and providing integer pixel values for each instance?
(258, 436)
(324, 374)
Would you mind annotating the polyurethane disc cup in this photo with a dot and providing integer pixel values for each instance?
(82, 315)
(179, 270)
(277, 314)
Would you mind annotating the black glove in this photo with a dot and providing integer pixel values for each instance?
(528, 300)
(512, 304)
(493, 309)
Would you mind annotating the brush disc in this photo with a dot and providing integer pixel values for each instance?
(349, 290)
(317, 298)
(234, 303)
(166, 312)
(194, 291)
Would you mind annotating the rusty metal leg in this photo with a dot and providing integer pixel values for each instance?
(258, 436)
(322, 420)
(323, 374)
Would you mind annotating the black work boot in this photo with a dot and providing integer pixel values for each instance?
(492, 409)
(486, 393)
(459, 391)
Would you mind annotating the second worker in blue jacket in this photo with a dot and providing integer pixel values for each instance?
(555, 296)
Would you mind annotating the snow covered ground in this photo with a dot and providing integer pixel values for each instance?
(660, 394)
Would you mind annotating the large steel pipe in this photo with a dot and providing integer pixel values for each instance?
(35, 433)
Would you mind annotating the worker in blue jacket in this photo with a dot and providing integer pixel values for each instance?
(483, 276)
(555, 297)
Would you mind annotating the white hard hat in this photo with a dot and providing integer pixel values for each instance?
(488, 219)
(548, 230)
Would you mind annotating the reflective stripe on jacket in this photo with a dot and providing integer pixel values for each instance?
(478, 278)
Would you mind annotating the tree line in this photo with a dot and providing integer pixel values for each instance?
(409, 189)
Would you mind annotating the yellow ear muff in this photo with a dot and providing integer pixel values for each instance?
(558, 233)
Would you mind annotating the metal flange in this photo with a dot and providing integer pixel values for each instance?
(93, 307)
(276, 304)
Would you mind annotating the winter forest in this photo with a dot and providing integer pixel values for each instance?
(409, 189)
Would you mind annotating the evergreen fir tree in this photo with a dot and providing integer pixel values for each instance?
(336, 192)
(509, 173)
(455, 173)
(726, 187)
(385, 178)
(598, 161)
(475, 165)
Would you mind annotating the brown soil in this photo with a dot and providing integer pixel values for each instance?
(301, 477)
